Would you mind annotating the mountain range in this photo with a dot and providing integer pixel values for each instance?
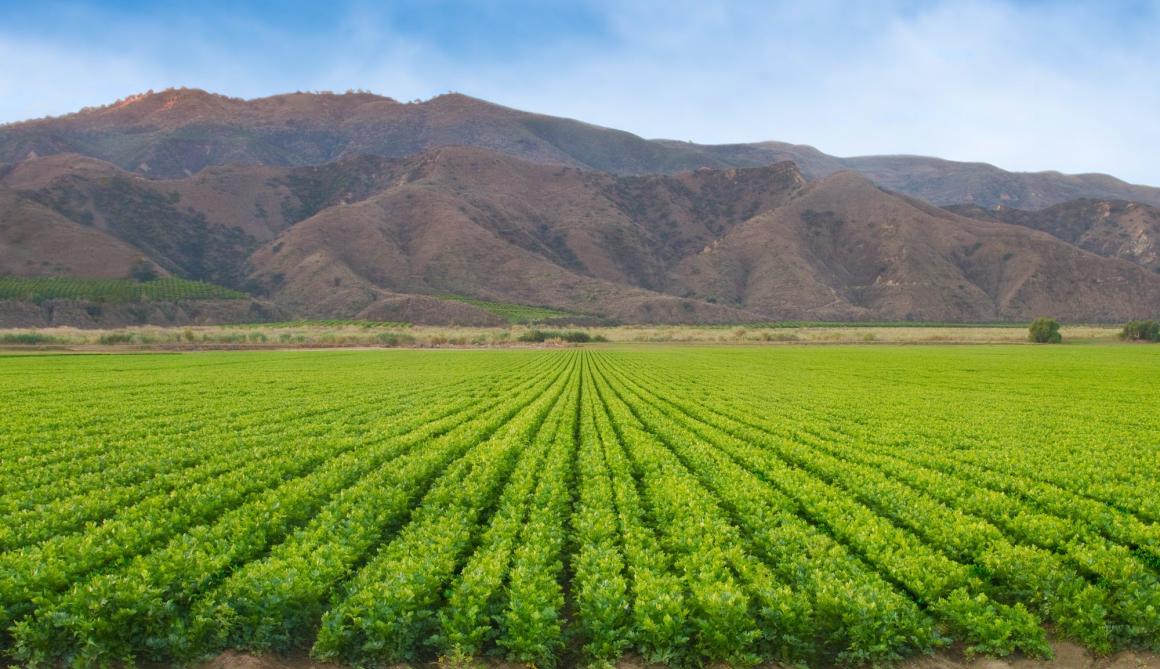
(359, 206)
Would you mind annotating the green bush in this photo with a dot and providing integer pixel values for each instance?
(27, 338)
(143, 271)
(394, 339)
(116, 338)
(1141, 331)
(1045, 331)
(572, 336)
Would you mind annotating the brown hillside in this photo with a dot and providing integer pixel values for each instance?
(846, 249)
(36, 241)
(476, 223)
(181, 131)
(178, 132)
(1111, 228)
(388, 238)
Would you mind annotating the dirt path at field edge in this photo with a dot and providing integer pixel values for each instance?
(1067, 656)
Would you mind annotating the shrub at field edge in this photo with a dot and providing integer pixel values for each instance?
(1045, 331)
(1141, 331)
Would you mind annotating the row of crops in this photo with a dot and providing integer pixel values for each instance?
(39, 289)
(568, 507)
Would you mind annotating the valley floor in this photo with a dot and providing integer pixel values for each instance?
(357, 334)
(680, 505)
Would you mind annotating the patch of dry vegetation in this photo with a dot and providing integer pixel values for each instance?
(356, 334)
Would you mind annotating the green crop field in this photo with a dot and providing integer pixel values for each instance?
(849, 505)
(111, 290)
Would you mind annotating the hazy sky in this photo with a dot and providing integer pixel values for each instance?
(1031, 85)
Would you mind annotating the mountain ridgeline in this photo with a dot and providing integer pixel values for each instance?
(358, 206)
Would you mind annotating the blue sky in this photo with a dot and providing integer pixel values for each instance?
(1030, 85)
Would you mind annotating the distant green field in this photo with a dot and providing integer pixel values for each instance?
(111, 290)
(512, 313)
(677, 505)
